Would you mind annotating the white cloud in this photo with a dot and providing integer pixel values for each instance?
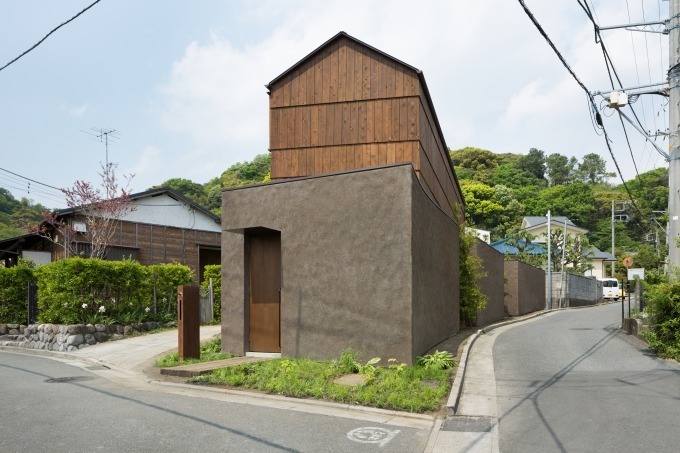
(77, 111)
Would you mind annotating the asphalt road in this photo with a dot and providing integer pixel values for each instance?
(48, 405)
(571, 381)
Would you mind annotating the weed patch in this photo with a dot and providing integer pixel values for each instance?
(210, 350)
(396, 387)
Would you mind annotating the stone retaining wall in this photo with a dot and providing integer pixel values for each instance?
(66, 338)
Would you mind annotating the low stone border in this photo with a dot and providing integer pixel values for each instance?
(66, 338)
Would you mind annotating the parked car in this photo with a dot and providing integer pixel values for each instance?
(622, 290)
(610, 288)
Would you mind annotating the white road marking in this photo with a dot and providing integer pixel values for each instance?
(372, 435)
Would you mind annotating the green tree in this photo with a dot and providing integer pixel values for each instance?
(534, 163)
(559, 169)
(522, 240)
(575, 251)
(186, 187)
(473, 163)
(593, 169)
(481, 207)
(243, 173)
(575, 201)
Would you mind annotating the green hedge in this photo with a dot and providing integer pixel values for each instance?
(214, 271)
(88, 290)
(663, 306)
(14, 292)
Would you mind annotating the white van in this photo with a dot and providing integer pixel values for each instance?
(610, 288)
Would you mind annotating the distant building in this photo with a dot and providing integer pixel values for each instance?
(483, 235)
(164, 227)
(538, 226)
(599, 260)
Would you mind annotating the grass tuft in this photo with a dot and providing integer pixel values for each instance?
(210, 350)
(396, 387)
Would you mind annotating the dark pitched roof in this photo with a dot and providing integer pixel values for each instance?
(593, 253)
(420, 74)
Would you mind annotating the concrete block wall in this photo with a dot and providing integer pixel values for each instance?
(578, 291)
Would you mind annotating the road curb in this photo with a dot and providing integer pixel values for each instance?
(302, 401)
(457, 386)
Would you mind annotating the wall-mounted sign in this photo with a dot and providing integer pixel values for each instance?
(639, 273)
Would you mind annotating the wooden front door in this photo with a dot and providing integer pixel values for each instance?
(264, 280)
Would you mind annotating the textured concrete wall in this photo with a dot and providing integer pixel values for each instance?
(346, 260)
(492, 284)
(436, 295)
(525, 288)
(234, 296)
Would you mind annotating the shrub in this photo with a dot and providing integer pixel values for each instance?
(89, 290)
(663, 307)
(164, 280)
(472, 299)
(214, 271)
(14, 292)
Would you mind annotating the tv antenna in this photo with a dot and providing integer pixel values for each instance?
(105, 136)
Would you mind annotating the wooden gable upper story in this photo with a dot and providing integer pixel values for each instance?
(348, 105)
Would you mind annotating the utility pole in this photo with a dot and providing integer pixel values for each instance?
(673, 138)
(549, 267)
(613, 240)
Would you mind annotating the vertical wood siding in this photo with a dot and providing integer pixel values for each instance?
(348, 107)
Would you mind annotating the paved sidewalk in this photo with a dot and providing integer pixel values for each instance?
(131, 353)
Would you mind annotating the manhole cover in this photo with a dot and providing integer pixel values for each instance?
(469, 424)
(97, 367)
(62, 380)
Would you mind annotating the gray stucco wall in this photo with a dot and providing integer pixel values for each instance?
(436, 295)
(525, 288)
(346, 262)
(492, 284)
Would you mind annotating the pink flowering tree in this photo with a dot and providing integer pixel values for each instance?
(100, 208)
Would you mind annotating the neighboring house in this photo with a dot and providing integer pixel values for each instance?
(482, 235)
(599, 260)
(538, 226)
(163, 227)
(354, 243)
(506, 248)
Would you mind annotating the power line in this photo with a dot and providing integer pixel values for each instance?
(584, 88)
(32, 180)
(47, 35)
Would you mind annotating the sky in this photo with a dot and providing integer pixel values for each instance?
(183, 83)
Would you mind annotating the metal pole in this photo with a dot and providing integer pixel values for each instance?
(564, 248)
(673, 138)
(613, 248)
(549, 267)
